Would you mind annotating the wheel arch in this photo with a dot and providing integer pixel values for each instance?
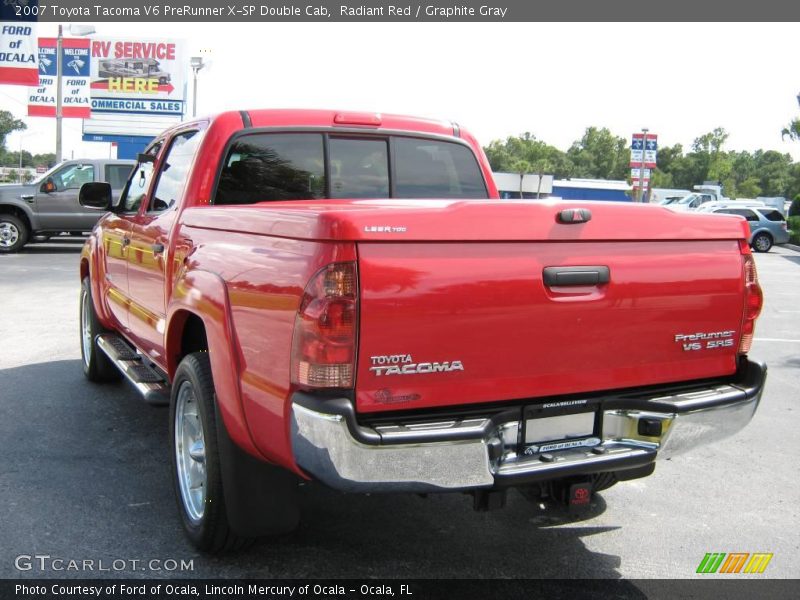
(199, 319)
(21, 213)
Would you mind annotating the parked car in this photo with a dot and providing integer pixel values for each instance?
(343, 297)
(691, 201)
(49, 205)
(767, 224)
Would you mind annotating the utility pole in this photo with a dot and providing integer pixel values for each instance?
(59, 116)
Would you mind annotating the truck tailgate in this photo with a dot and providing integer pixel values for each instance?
(456, 322)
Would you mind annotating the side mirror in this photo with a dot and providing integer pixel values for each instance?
(48, 186)
(95, 195)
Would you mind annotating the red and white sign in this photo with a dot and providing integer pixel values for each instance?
(18, 53)
(74, 65)
(644, 149)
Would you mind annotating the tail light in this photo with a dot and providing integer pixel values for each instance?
(753, 301)
(324, 348)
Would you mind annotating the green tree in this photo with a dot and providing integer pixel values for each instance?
(506, 156)
(9, 124)
(775, 172)
(600, 154)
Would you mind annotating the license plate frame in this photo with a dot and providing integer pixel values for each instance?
(561, 425)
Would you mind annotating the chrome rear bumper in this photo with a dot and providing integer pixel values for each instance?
(457, 454)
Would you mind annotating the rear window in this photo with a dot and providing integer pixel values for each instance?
(359, 168)
(273, 166)
(262, 167)
(433, 169)
(772, 215)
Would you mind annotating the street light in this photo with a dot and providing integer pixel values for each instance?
(74, 30)
(196, 63)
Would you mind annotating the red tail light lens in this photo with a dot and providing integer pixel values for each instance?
(753, 302)
(324, 348)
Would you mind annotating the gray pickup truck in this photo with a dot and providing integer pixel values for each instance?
(50, 206)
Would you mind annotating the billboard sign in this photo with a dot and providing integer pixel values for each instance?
(137, 84)
(18, 43)
(75, 65)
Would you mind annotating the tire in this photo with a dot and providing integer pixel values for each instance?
(13, 233)
(97, 366)
(196, 470)
(762, 242)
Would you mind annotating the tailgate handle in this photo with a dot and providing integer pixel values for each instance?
(574, 215)
(576, 275)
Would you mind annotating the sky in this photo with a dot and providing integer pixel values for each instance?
(496, 79)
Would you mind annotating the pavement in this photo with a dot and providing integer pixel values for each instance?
(85, 475)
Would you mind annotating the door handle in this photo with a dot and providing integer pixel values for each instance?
(28, 198)
(157, 248)
(555, 276)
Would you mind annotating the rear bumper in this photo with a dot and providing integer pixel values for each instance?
(451, 454)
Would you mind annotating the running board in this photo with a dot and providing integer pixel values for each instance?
(147, 381)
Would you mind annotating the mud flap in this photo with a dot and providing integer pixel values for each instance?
(260, 499)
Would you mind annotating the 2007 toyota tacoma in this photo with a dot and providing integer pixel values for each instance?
(343, 297)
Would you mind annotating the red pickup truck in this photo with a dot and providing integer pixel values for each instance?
(343, 297)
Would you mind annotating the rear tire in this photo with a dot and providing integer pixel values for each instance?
(762, 242)
(13, 233)
(97, 366)
(196, 470)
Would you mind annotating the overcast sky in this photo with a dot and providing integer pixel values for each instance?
(554, 80)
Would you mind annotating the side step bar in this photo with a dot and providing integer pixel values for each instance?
(147, 381)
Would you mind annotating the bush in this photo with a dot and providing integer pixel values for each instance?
(794, 207)
(794, 228)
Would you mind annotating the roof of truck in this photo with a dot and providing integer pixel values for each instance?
(277, 117)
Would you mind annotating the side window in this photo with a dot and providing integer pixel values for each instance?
(273, 166)
(117, 175)
(359, 168)
(139, 183)
(174, 171)
(73, 177)
(432, 169)
(750, 215)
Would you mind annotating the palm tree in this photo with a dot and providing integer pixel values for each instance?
(792, 130)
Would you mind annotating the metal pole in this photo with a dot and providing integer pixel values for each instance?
(194, 94)
(641, 172)
(59, 45)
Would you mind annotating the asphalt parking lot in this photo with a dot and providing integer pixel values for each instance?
(84, 474)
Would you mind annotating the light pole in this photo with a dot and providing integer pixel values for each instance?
(197, 63)
(641, 172)
(74, 30)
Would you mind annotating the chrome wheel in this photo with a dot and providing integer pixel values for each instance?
(190, 453)
(86, 327)
(9, 234)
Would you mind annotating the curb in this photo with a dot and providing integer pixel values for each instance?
(791, 247)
